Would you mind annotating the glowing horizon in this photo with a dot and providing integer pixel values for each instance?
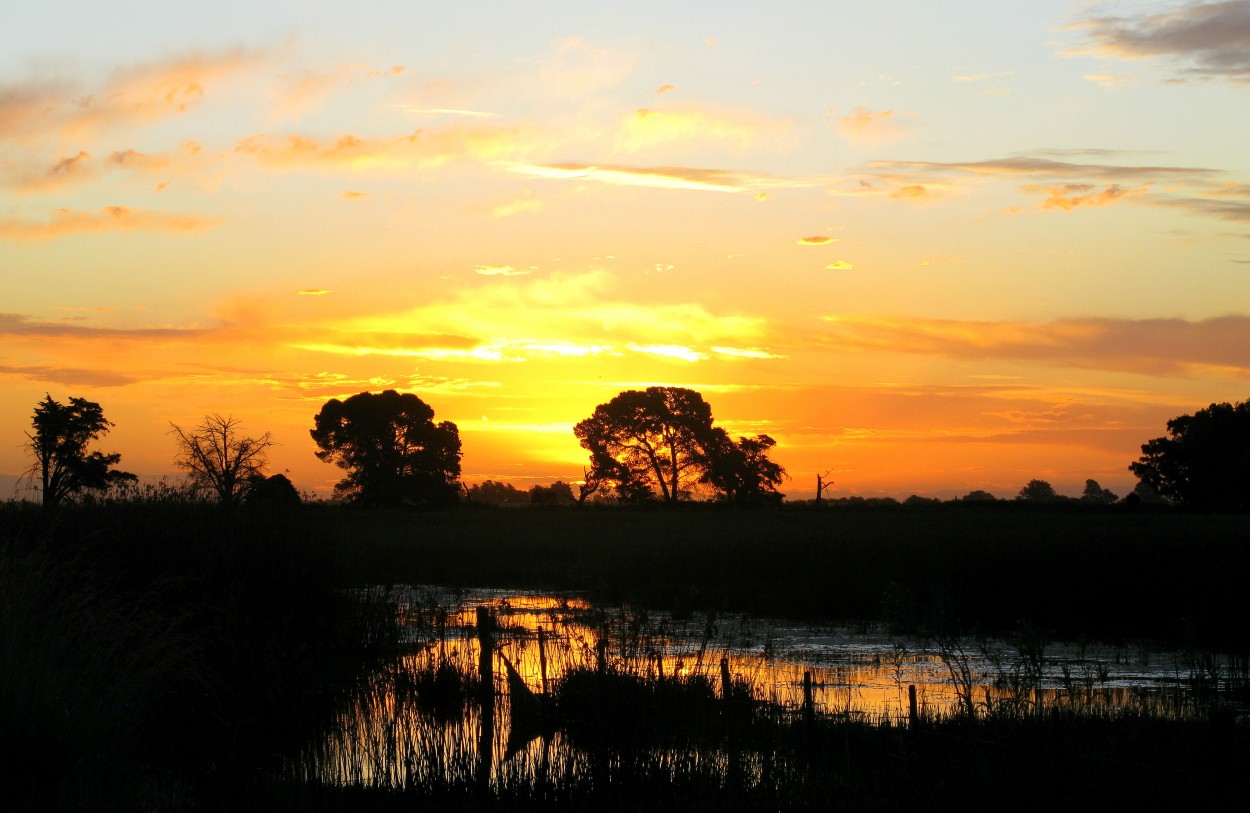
(960, 252)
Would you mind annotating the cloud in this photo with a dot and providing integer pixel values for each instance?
(39, 111)
(1235, 210)
(500, 271)
(1069, 196)
(1107, 81)
(818, 240)
(645, 129)
(313, 292)
(708, 180)
(17, 325)
(1204, 40)
(669, 351)
(839, 265)
(350, 195)
(448, 111)
(869, 127)
(65, 222)
(1047, 168)
(665, 88)
(423, 148)
(521, 205)
(71, 376)
(746, 353)
(1218, 346)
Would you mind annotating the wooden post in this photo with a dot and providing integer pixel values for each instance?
(809, 706)
(602, 650)
(913, 714)
(486, 671)
(486, 650)
(542, 657)
(726, 686)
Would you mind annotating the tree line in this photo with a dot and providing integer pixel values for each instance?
(654, 445)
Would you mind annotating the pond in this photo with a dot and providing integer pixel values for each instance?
(443, 715)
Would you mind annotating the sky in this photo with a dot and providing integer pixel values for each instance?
(929, 248)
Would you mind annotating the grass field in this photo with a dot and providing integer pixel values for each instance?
(1164, 576)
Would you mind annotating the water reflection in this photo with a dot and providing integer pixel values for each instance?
(445, 715)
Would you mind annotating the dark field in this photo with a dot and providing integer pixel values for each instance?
(163, 656)
(1070, 574)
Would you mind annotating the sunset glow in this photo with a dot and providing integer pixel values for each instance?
(928, 248)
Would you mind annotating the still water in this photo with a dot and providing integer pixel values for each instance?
(424, 720)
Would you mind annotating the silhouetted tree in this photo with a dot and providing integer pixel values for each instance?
(979, 496)
(1037, 491)
(220, 460)
(1096, 494)
(741, 472)
(589, 485)
(660, 441)
(1204, 462)
(490, 492)
(390, 446)
(644, 441)
(558, 493)
(59, 443)
(276, 489)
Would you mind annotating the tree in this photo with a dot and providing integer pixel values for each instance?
(741, 472)
(979, 495)
(661, 442)
(274, 490)
(558, 493)
(391, 448)
(643, 441)
(491, 492)
(1037, 491)
(1097, 495)
(59, 445)
(1204, 462)
(219, 459)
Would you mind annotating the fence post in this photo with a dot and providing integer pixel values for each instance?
(542, 657)
(486, 651)
(725, 685)
(913, 714)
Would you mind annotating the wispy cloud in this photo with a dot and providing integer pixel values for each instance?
(500, 271)
(866, 126)
(696, 178)
(1154, 346)
(1205, 40)
(738, 130)
(71, 376)
(424, 147)
(64, 222)
(38, 111)
(817, 240)
(1069, 196)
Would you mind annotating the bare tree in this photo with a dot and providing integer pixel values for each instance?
(219, 458)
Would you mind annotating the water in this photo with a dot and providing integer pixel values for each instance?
(417, 727)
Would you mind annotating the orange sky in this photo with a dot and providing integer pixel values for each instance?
(948, 249)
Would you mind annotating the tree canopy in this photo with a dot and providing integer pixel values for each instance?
(661, 441)
(1037, 491)
(62, 433)
(391, 448)
(1204, 462)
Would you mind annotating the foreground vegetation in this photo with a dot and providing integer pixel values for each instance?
(162, 654)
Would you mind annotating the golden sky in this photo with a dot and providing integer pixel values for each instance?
(927, 247)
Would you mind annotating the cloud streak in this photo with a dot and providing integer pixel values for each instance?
(66, 222)
(1152, 346)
